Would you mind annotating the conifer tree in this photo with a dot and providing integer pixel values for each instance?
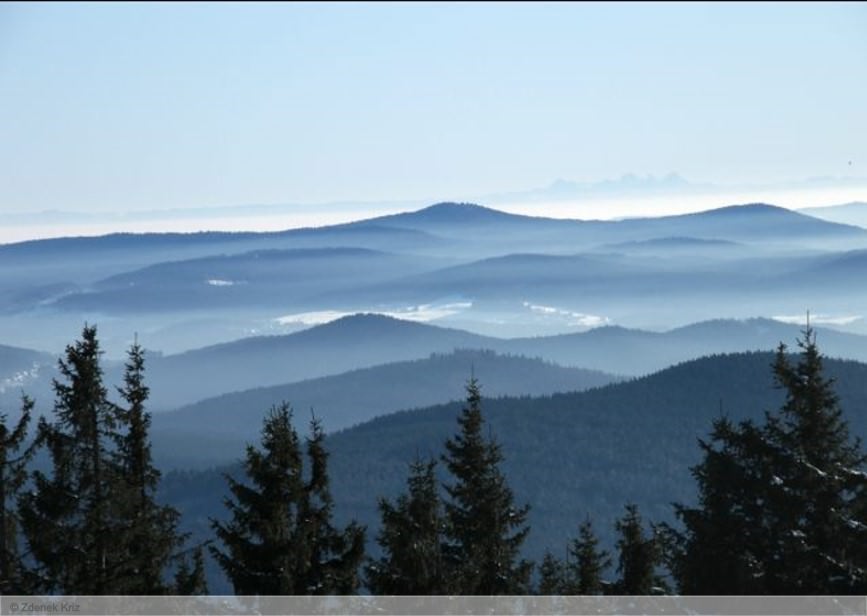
(727, 541)
(823, 517)
(587, 562)
(13, 474)
(638, 557)
(485, 529)
(782, 506)
(263, 555)
(92, 525)
(190, 580)
(411, 539)
(552, 576)
(280, 540)
(68, 518)
(149, 537)
(335, 556)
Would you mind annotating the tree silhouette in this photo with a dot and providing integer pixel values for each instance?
(485, 530)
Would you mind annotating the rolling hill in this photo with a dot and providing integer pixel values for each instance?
(749, 222)
(738, 261)
(360, 395)
(40, 272)
(345, 344)
(567, 455)
(637, 352)
(367, 340)
(262, 278)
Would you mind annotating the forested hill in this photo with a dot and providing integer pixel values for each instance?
(359, 395)
(567, 454)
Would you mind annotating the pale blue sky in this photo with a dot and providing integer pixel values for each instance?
(150, 106)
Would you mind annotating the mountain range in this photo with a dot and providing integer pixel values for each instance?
(605, 348)
(737, 261)
(367, 340)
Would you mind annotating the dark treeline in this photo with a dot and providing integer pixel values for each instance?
(781, 509)
(90, 525)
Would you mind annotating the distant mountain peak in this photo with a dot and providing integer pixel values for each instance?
(450, 210)
(360, 318)
(454, 206)
(448, 213)
(773, 215)
(375, 323)
(747, 208)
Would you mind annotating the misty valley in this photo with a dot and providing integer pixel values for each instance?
(623, 379)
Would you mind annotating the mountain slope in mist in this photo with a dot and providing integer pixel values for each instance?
(367, 340)
(353, 397)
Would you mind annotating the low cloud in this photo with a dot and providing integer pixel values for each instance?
(312, 318)
(429, 312)
(574, 319)
(818, 319)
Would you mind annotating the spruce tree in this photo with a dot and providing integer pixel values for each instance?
(280, 540)
(92, 525)
(783, 506)
(485, 529)
(638, 556)
(411, 539)
(335, 556)
(13, 474)
(587, 563)
(826, 488)
(149, 537)
(190, 579)
(552, 576)
(262, 554)
(69, 518)
(728, 541)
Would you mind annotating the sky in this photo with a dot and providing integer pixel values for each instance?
(119, 107)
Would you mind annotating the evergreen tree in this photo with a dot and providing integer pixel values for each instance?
(92, 525)
(13, 474)
(638, 556)
(587, 563)
(280, 540)
(552, 576)
(190, 580)
(485, 529)
(411, 539)
(149, 537)
(69, 518)
(335, 556)
(581, 574)
(262, 554)
(782, 507)
(823, 517)
(728, 539)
